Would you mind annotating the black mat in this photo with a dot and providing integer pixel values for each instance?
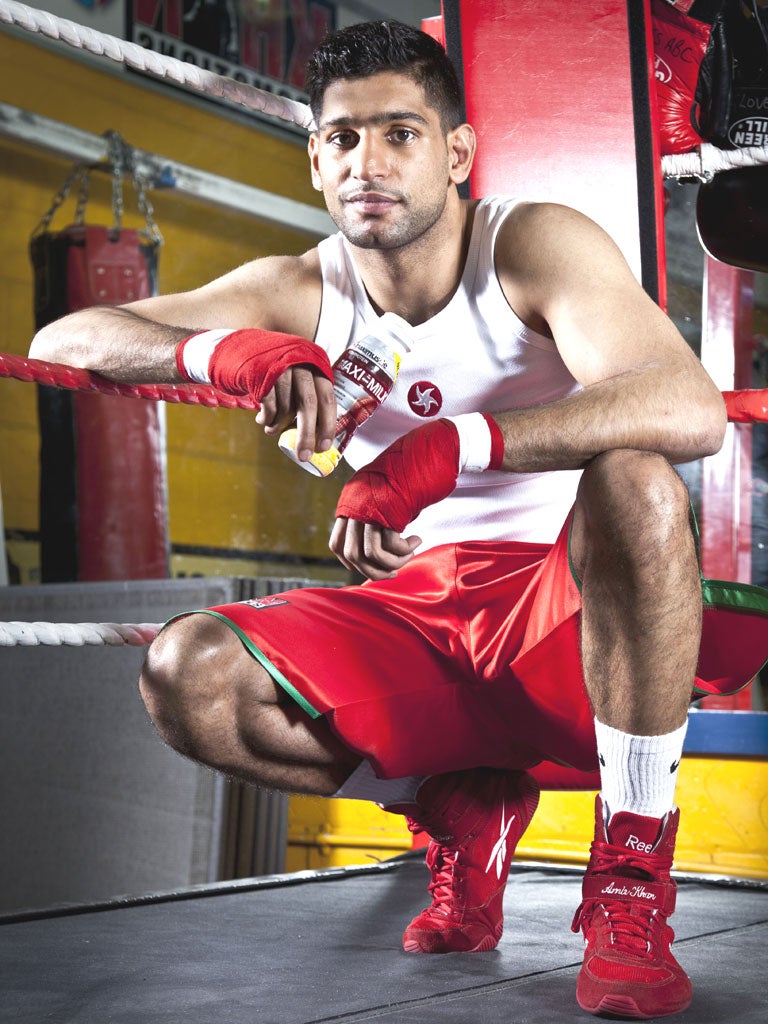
(328, 949)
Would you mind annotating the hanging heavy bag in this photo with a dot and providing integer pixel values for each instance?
(103, 509)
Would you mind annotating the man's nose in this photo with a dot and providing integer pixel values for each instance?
(370, 159)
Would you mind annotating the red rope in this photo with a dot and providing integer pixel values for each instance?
(61, 376)
(747, 406)
(742, 406)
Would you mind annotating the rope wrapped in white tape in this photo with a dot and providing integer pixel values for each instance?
(103, 45)
(77, 634)
(707, 160)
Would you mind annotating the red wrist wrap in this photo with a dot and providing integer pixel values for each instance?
(248, 362)
(180, 359)
(416, 471)
(497, 442)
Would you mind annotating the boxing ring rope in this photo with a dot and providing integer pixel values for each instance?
(707, 160)
(102, 45)
(749, 406)
(742, 407)
(77, 634)
(73, 379)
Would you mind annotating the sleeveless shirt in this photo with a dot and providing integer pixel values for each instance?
(474, 355)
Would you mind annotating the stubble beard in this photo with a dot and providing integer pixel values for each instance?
(382, 236)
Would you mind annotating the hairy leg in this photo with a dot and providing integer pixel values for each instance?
(634, 550)
(212, 701)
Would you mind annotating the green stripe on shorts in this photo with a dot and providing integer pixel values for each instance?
(738, 597)
(260, 656)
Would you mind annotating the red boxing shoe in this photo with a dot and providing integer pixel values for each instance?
(475, 820)
(628, 968)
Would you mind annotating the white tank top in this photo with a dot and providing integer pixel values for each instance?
(475, 355)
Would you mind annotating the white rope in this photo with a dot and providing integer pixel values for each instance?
(703, 162)
(103, 45)
(707, 160)
(77, 634)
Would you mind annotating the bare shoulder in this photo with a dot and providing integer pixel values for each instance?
(550, 234)
(272, 271)
(280, 293)
(276, 293)
(548, 254)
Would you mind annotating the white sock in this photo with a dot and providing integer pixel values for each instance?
(639, 773)
(363, 784)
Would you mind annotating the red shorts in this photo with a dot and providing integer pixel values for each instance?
(469, 656)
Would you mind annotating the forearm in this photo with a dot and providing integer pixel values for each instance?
(647, 409)
(113, 341)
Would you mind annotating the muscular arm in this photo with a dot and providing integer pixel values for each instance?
(137, 342)
(643, 388)
(114, 341)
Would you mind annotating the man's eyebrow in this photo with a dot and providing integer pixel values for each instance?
(385, 117)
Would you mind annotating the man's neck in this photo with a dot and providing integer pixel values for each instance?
(417, 281)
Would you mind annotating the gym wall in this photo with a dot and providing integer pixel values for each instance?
(236, 505)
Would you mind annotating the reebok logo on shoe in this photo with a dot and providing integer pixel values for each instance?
(499, 851)
(634, 843)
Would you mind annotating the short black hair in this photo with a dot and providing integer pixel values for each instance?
(370, 47)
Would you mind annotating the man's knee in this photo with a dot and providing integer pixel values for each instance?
(633, 499)
(634, 483)
(178, 654)
(186, 673)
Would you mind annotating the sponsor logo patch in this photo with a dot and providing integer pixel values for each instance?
(425, 399)
(265, 602)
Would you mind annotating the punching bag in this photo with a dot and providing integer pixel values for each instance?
(103, 496)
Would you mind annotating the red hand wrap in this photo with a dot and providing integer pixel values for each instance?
(248, 362)
(416, 471)
(180, 367)
(497, 442)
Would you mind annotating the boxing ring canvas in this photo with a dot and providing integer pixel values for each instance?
(326, 948)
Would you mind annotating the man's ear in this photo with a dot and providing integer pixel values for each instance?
(461, 151)
(312, 148)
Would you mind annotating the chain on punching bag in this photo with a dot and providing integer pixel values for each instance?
(103, 512)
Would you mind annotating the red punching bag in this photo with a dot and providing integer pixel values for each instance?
(103, 506)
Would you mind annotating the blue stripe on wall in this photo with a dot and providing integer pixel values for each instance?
(730, 733)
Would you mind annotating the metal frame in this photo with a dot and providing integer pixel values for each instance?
(159, 172)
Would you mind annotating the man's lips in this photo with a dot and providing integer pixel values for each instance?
(371, 202)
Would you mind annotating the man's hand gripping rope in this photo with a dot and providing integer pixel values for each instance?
(290, 378)
(418, 470)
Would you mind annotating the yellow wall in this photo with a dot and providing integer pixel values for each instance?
(228, 486)
(723, 824)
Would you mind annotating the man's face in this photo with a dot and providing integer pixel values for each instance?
(381, 160)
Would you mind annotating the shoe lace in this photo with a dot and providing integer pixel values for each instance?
(632, 927)
(442, 862)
